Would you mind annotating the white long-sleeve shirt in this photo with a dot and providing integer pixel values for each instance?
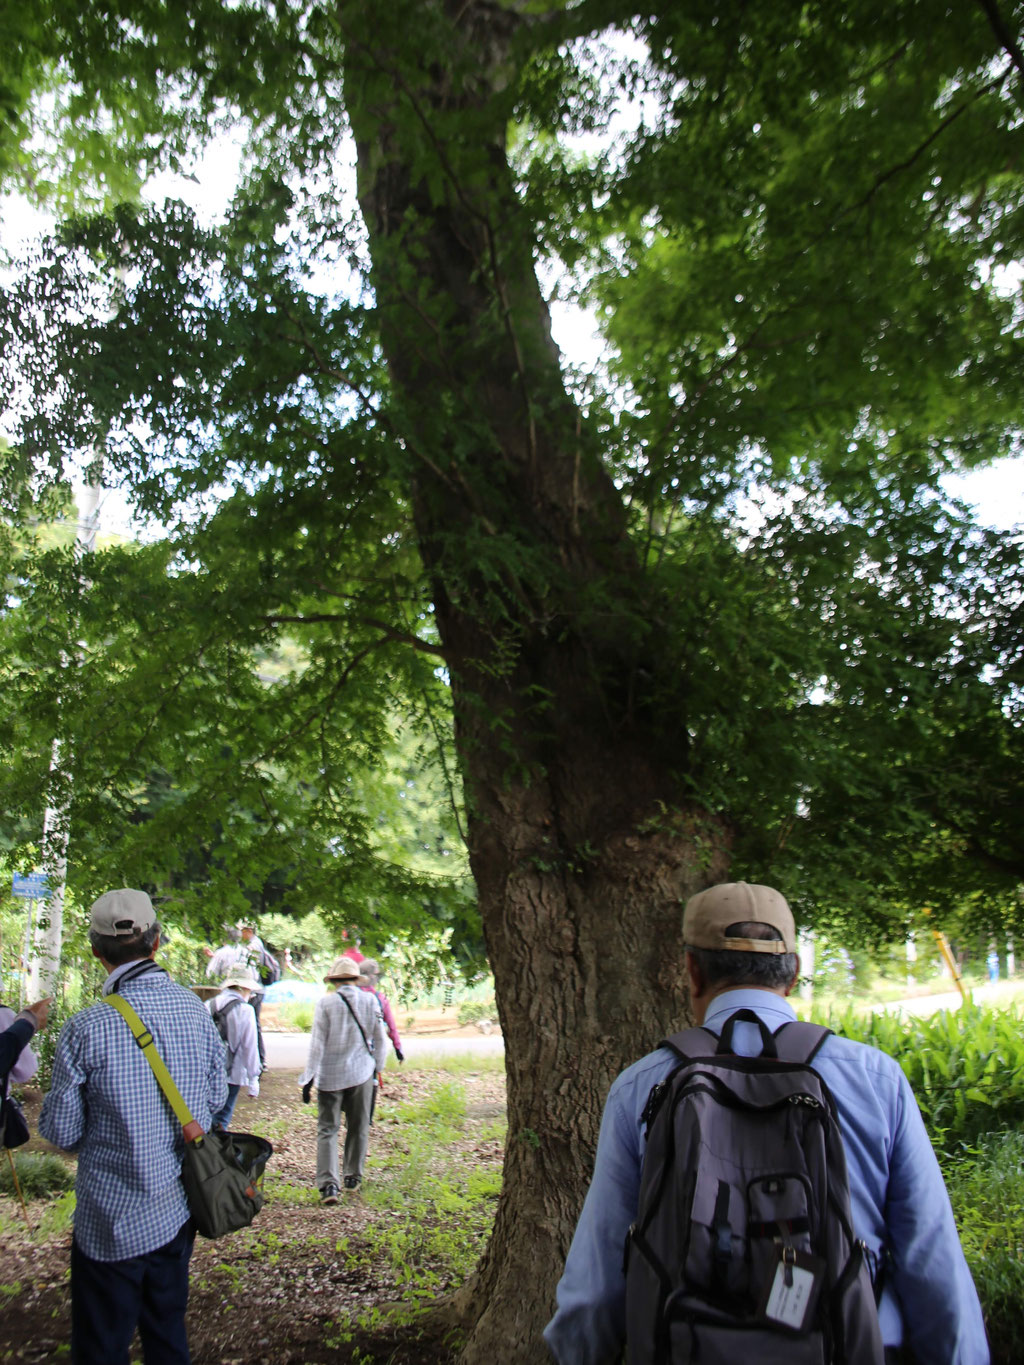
(243, 1058)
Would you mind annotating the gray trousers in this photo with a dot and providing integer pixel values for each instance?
(356, 1104)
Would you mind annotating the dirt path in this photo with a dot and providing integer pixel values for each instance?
(291, 1289)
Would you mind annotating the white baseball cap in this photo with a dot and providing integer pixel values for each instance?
(121, 914)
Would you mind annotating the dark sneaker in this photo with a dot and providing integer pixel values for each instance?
(352, 1182)
(329, 1194)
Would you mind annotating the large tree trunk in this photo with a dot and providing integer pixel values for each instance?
(580, 845)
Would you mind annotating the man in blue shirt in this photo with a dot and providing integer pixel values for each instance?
(132, 1234)
(741, 954)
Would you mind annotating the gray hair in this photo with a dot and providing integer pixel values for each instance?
(118, 951)
(726, 967)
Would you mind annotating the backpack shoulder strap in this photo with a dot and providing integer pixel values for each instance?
(691, 1043)
(800, 1042)
(796, 1042)
(164, 1078)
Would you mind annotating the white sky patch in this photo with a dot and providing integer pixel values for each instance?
(207, 190)
(996, 492)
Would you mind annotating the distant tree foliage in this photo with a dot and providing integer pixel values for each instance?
(702, 611)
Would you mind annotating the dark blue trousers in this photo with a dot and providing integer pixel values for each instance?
(109, 1299)
(222, 1119)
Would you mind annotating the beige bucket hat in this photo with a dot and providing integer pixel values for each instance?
(343, 969)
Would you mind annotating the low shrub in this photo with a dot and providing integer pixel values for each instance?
(296, 1014)
(472, 1011)
(40, 1174)
(965, 1066)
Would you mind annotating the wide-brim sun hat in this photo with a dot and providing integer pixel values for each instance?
(241, 978)
(343, 969)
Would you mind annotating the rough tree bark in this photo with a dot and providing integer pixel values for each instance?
(578, 840)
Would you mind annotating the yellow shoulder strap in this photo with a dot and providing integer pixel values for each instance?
(145, 1040)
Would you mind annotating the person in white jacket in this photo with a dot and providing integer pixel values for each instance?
(236, 1024)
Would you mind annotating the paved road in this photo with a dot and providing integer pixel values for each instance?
(922, 1005)
(288, 1050)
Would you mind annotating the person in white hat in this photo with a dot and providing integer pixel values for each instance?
(741, 956)
(347, 1050)
(236, 1024)
(133, 1235)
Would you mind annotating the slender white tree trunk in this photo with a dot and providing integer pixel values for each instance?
(48, 938)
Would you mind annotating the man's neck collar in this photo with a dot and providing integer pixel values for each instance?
(732, 998)
(116, 973)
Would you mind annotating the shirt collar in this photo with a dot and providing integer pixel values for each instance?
(764, 1003)
(110, 985)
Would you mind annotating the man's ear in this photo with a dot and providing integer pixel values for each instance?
(156, 945)
(796, 977)
(694, 975)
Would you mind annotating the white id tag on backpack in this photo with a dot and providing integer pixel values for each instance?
(793, 1289)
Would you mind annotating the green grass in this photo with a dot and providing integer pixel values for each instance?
(494, 1131)
(54, 1222)
(459, 1063)
(434, 1219)
(282, 1190)
(966, 1066)
(442, 1114)
(296, 1014)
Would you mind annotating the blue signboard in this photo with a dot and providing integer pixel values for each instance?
(32, 887)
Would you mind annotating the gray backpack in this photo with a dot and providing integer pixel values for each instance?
(743, 1246)
(220, 1018)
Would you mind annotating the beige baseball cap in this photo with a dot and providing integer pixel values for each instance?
(710, 913)
(122, 913)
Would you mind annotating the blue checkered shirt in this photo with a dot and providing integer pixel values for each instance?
(105, 1104)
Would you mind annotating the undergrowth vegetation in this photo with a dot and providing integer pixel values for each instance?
(966, 1068)
(986, 1185)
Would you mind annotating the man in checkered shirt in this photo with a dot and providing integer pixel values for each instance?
(132, 1233)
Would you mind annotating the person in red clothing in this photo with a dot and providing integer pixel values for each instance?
(369, 979)
(350, 945)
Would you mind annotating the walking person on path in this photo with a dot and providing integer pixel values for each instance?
(237, 1026)
(245, 949)
(741, 964)
(369, 973)
(265, 968)
(347, 1050)
(133, 1236)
